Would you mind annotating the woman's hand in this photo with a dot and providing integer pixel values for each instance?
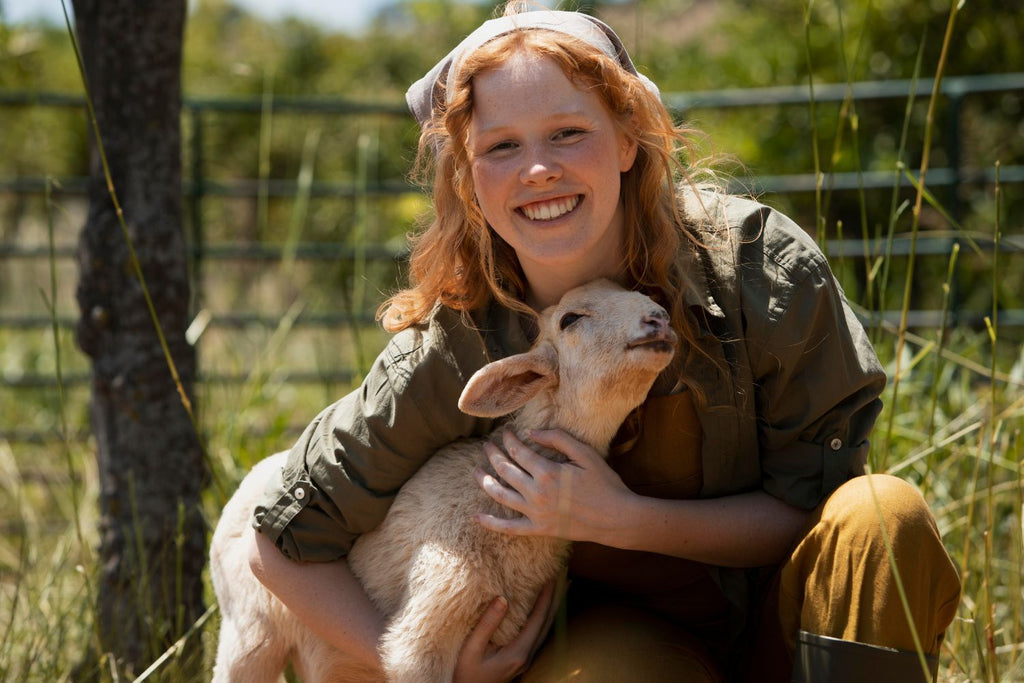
(585, 500)
(580, 500)
(480, 661)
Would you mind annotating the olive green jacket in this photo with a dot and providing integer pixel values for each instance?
(789, 379)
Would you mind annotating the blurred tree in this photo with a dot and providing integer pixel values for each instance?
(152, 544)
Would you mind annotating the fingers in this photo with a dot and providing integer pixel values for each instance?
(478, 640)
(519, 463)
(517, 526)
(507, 468)
(513, 486)
(479, 660)
(509, 497)
(520, 456)
(578, 452)
(521, 649)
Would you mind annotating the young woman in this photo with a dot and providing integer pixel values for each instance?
(730, 534)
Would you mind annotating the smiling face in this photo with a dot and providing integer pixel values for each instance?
(546, 158)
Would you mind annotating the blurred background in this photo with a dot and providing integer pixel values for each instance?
(296, 149)
(297, 144)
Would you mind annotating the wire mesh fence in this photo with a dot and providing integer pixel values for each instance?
(294, 259)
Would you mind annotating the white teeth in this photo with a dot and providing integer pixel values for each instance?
(548, 210)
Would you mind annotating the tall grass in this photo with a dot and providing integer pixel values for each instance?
(962, 446)
(981, 660)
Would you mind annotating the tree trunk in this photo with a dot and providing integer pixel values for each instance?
(152, 546)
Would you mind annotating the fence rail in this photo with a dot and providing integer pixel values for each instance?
(198, 187)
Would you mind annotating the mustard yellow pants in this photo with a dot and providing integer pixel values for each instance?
(838, 582)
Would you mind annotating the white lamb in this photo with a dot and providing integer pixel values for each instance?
(429, 567)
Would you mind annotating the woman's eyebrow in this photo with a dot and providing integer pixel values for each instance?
(554, 117)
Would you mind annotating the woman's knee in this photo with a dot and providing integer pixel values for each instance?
(871, 528)
(877, 506)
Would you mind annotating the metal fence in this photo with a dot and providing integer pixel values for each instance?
(199, 187)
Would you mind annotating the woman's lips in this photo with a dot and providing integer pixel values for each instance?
(550, 209)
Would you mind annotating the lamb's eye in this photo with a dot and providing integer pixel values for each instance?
(568, 319)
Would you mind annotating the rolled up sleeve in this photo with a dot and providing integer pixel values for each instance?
(315, 536)
(342, 475)
(817, 381)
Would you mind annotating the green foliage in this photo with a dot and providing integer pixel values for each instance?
(956, 423)
(48, 141)
(701, 45)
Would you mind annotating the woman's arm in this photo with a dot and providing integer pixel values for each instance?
(742, 530)
(584, 500)
(325, 596)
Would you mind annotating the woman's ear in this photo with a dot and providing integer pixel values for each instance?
(628, 145)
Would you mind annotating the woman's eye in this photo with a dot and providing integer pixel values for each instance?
(501, 146)
(568, 319)
(569, 133)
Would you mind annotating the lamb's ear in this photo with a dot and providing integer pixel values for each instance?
(500, 387)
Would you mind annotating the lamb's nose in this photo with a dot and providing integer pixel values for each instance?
(657, 319)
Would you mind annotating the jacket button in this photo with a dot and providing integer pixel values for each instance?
(300, 493)
(835, 444)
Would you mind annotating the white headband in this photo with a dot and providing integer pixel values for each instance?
(423, 94)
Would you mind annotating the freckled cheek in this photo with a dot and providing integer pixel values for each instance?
(488, 182)
(490, 171)
(479, 175)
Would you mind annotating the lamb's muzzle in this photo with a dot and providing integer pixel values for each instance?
(660, 337)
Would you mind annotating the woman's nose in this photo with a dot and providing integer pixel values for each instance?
(540, 167)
